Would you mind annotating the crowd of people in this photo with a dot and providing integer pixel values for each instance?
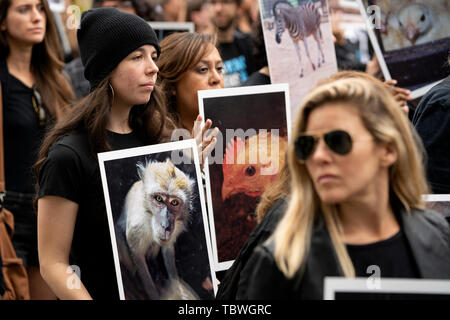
(348, 196)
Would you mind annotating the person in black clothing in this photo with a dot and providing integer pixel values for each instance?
(262, 75)
(124, 109)
(35, 94)
(235, 47)
(432, 122)
(75, 68)
(269, 212)
(355, 199)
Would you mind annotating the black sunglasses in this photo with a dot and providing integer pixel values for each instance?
(339, 141)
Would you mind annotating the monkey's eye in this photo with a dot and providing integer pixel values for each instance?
(250, 171)
(422, 18)
(158, 198)
(174, 203)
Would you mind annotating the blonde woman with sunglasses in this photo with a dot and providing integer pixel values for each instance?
(357, 182)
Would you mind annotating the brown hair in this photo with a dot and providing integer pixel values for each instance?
(279, 189)
(46, 64)
(91, 114)
(180, 52)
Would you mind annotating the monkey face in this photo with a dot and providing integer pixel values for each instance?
(166, 213)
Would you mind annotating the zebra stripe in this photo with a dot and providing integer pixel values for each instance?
(301, 22)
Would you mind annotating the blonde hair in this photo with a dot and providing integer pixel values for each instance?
(279, 188)
(386, 122)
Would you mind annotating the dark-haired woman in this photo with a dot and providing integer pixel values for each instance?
(124, 109)
(35, 94)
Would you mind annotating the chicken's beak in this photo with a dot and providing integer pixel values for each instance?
(412, 33)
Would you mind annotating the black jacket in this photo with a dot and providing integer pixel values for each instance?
(427, 232)
(432, 122)
(229, 285)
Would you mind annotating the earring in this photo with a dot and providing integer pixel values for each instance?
(112, 90)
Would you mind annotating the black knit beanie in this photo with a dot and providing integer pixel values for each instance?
(106, 36)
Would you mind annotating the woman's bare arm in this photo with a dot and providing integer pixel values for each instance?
(56, 224)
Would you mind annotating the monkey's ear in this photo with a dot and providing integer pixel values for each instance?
(140, 169)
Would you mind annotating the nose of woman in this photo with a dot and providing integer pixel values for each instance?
(151, 66)
(215, 78)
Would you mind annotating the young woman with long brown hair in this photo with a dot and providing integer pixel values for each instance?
(35, 95)
(124, 109)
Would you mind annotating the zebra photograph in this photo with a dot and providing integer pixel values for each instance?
(301, 22)
(299, 44)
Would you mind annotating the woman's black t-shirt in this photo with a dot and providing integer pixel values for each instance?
(21, 131)
(392, 257)
(72, 172)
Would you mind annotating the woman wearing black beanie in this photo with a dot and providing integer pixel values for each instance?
(124, 109)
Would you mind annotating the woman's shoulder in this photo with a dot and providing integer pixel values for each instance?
(71, 148)
(273, 215)
(76, 142)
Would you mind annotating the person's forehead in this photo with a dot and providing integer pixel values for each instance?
(24, 2)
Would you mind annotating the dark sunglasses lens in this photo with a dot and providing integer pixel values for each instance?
(304, 146)
(339, 141)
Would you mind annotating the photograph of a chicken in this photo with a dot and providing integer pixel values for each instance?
(249, 154)
(263, 160)
(406, 23)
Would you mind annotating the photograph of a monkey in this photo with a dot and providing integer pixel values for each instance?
(158, 222)
(411, 39)
(254, 125)
(299, 44)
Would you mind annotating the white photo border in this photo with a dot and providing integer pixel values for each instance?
(436, 197)
(387, 285)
